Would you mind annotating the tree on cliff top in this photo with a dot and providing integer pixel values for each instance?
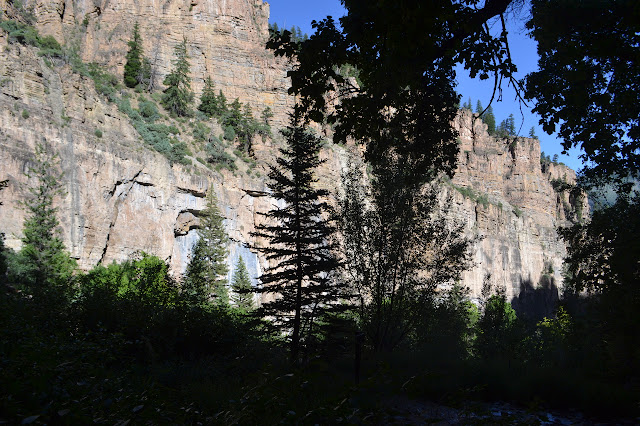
(299, 248)
(178, 97)
(205, 278)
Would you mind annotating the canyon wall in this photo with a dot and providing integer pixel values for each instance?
(225, 41)
(122, 197)
(510, 202)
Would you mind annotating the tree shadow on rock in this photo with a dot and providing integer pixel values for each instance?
(534, 303)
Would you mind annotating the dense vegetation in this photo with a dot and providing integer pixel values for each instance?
(376, 279)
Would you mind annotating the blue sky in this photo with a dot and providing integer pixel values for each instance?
(287, 13)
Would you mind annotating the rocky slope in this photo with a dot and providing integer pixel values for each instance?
(123, 197)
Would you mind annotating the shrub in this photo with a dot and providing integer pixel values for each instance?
(25, 114)
(148, 110)
(218, 156)
(201, 132)
(229, 133)
(98, 133)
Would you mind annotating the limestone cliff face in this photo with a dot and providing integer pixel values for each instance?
(122, 197)
(225, 41)
(509, 201)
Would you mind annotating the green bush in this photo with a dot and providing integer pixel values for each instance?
(229, 133)
(218, 155)
(157, 135)
(148, 110)
(28, 35)
(25, 114)
(21, 33)
(201, 132)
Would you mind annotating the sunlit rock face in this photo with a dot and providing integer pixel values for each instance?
(513, 207)
(122, 198)
(225, 41)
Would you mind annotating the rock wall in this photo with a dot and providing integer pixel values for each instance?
(121, 197)
(504, 195)
(225, 41)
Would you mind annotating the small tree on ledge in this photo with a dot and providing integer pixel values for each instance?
(178, 97)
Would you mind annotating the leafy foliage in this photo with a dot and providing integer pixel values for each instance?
(159, 136)
(497, 333)
(397, 249)
(217, 154)
(587, 81)
(28, 35)
(204, 280)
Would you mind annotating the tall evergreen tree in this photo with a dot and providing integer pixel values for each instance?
(177, 97)
(299, 248)
(209, 100)
(222, 103)
(42, 263)
(204, 279)
(134, 65)
(242, 295)
(511, 125)
(235, 117)
(479, 107)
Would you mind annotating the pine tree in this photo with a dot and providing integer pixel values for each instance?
(266, 115)
(43, 263)
(490, 120)
(134, 65)
(532, 133)
(209, 100)
(241, 284)
(511, 125)
(235, 118)
(298, 245)
(178, 96)
(222, 103)
(205, 278)
(479, 108)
